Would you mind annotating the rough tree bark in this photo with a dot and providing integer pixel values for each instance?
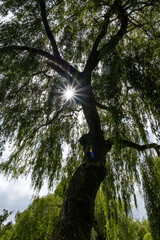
(78, 208)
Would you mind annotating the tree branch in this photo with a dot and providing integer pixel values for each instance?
(68, 67)
(140, 25)
(106, 22)
(93, 58)
(60, 72)
(101, 106)
(65, 65)
(109, 46)
(56, 115)
(47, 28)
(50, 121)
(16, 91)
(142, 147)
(123, 17)
(136, 146)
(32, 50)
(56, 53)
(142, 6)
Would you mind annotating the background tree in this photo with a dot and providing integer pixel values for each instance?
(147, 237)
(5, 226)
(37, 221)
(108, 53)
(105, 226)
(41, 216)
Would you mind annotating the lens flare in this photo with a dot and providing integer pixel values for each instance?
(91, 152)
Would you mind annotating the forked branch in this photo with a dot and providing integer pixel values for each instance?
(112, 43)
(94, 57)
(59, 61)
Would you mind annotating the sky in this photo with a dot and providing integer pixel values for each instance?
(16, 195)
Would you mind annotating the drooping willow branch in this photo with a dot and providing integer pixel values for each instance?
(49, 121)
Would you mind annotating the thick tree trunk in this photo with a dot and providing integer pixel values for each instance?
(78, 208)
(77, 212)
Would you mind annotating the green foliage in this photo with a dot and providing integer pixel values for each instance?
(33, 112)
(4, 216)
(37, 221)
(124, 228)
(147, 237)
(41, 216)
(5, 227)
(133, 229)
(151, 185)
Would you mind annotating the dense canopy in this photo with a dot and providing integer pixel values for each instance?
(108, 49)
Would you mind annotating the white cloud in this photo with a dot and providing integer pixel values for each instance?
(17, 195)
(14, 196)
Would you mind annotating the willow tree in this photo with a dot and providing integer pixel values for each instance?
(107, 54)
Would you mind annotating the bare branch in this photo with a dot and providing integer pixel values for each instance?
(47, 28)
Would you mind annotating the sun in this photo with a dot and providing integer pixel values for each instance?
(73, 93)
(69, 93)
